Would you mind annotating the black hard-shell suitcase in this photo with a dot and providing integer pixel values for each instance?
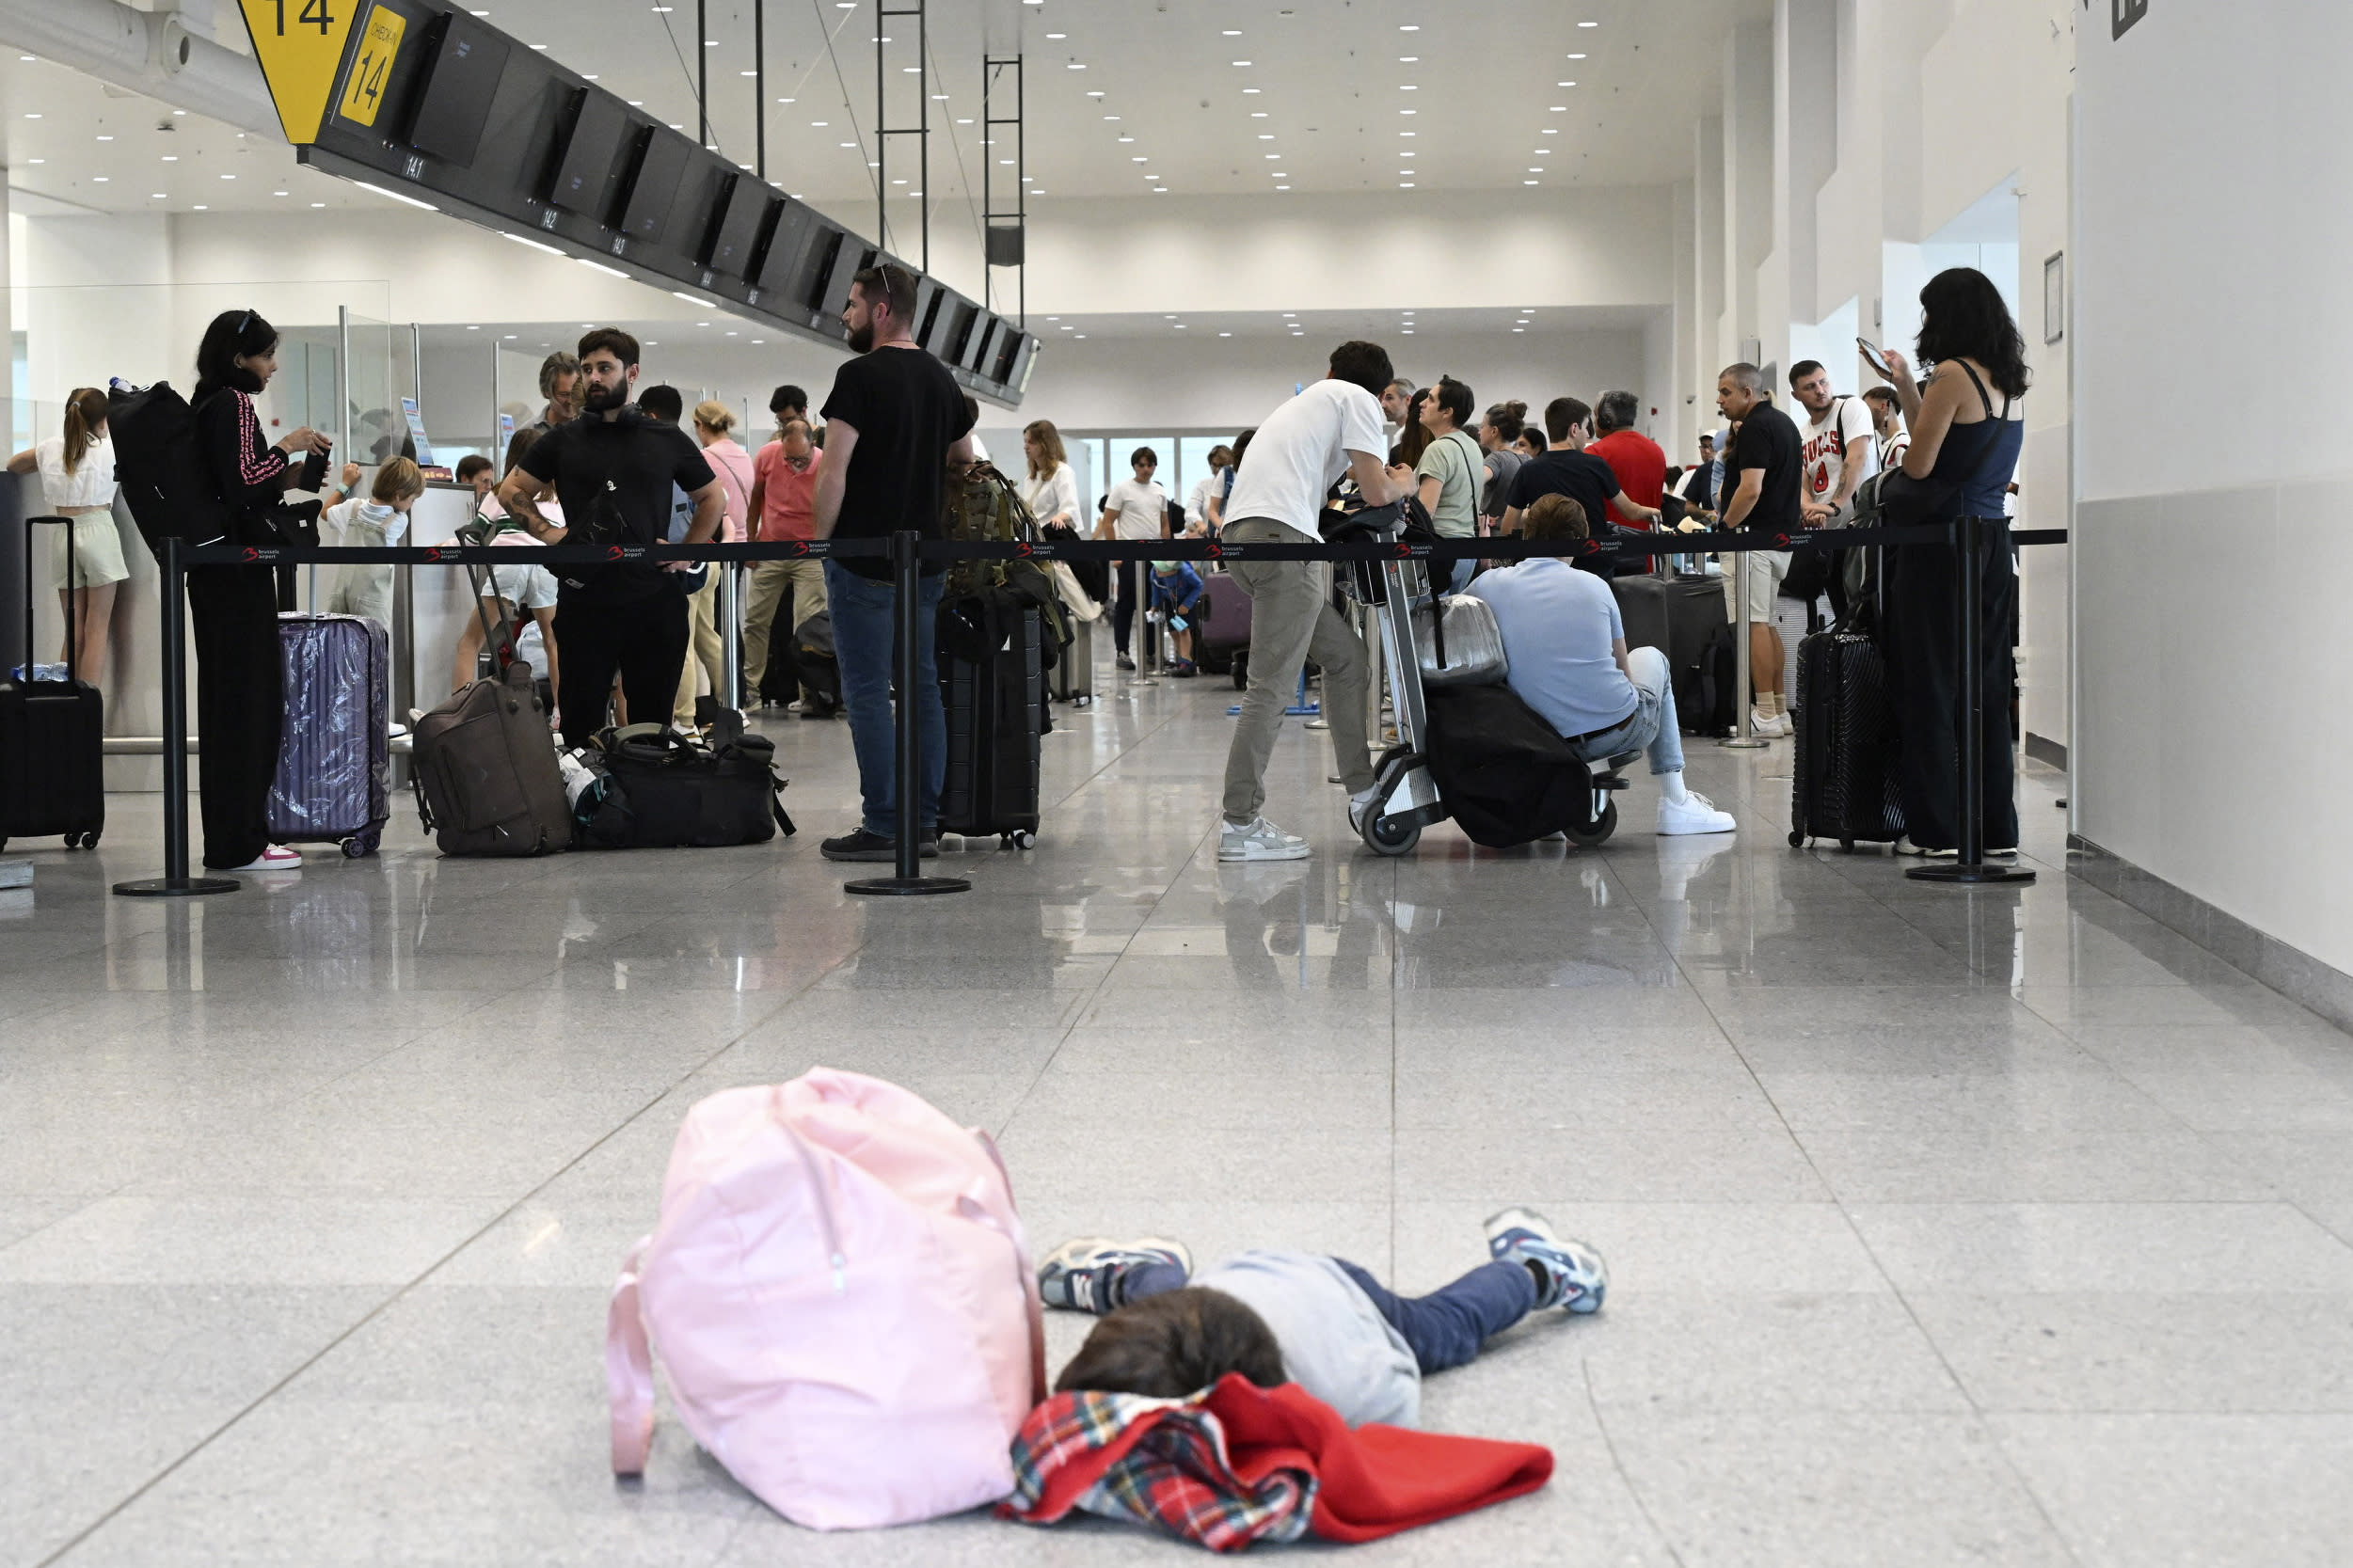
(334, 763)
(995, 719)
(52, 739)
(1844, 777)
(1683, 617)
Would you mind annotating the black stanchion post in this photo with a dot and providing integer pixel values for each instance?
(1969, 553)
(175, 883)
(907, 754)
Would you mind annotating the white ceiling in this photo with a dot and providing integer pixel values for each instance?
(1349, 95)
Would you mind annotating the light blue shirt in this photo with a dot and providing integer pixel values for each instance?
(1335, 1343)
(1559, 627)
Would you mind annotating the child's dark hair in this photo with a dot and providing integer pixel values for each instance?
(1175, 1344)
(471, 465)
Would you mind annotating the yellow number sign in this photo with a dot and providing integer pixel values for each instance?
(299, 44)
(363, 95)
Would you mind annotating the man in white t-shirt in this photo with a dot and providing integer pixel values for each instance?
(1840, 448)
(1136, 508)
(1887, 424)
(1331, 429)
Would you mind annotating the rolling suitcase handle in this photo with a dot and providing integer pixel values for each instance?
(72, 587)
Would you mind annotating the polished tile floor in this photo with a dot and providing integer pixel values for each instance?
(1992, 1227)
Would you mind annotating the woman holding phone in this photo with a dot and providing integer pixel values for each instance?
(1966, 432)
(240, 687)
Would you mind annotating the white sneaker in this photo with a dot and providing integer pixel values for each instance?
(278, 857)
(1766, 725)
(1260, 841)
(1359, 804)
(1693, 813)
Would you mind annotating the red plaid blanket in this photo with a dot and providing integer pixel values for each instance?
(1238, 1463)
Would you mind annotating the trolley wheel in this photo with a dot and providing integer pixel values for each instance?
(359, 846)
(1385, 836)
(1847, 844)
(1797, 839)
(1021, 839)
(1598, 834)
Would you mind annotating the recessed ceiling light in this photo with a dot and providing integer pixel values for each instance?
(510, 337)
(32, 117)
(202, 208)
(1111, 117)
(1075, 66)
(1258, 114)
(229, 177)
(1564, 83)
(1273, 157)
(591, 77)
(105, 139)
(473, 327)
(637, 103)
(1536, 171)
(1249, 90)
(160, 197)
(1225, 334)
(98, 179)
(1408, 59)
(963, 122)
(1282, 187)
(1559, 109)
(1408, 86)
(1241, 62)
(314, 204)
(1527, 182)
(1266, 136)
(1405, 132)
(1058, 35)
(1588, 25)
(1576, 57)
(1231, 32)
(1405, 184)
(171, 157)
(1123, 138)
(1131, 160)
(1409, 27)
(36, 159)
(1082, 336)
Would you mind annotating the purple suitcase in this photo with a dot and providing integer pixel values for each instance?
(1221, 626)
(334, 762)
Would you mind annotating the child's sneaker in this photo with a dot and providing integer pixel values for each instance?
(1575, 1276)
(1082, 1273)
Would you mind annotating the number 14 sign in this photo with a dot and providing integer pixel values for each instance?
(300, 43)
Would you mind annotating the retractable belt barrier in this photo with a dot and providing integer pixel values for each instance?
(906, 553)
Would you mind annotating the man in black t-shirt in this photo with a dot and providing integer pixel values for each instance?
(613, 469)
(895, 422)
(1762, 479)
(1565, 468)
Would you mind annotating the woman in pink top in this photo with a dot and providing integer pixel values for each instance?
(733, 465)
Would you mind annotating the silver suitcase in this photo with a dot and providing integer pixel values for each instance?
(1474, 651)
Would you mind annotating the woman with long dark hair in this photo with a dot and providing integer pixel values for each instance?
(240, 689)
(1962, 436)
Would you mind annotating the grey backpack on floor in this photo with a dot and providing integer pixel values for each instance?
(486, 771)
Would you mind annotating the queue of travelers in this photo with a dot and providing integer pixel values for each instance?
(610, 464)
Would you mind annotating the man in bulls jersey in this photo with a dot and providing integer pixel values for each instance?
(1840, 449)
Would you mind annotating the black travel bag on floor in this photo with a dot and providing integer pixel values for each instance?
(1844, 778)
(668, 790)
(52, 736)
(992, 681)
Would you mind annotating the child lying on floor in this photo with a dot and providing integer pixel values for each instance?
(1297, 1317)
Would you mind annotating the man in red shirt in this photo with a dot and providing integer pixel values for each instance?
(784, 506)
(1637, 460)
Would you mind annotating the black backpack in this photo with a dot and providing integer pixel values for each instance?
(1506, 776)
(160, 464)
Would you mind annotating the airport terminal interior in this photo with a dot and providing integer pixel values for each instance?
(1943, 1220)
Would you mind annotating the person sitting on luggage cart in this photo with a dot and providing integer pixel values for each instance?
(1566, 645)
(1175, 588)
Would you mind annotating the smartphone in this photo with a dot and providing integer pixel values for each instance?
(313, 473)
(1879, 361)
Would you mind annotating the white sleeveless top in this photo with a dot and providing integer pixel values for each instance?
(92, 483)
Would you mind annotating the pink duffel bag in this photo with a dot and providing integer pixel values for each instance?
(841, 1294)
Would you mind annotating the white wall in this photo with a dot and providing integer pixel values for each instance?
(1227, 384)
(1305, 251)
(2212, 573)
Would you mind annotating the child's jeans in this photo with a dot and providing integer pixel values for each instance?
(1443, 1329)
